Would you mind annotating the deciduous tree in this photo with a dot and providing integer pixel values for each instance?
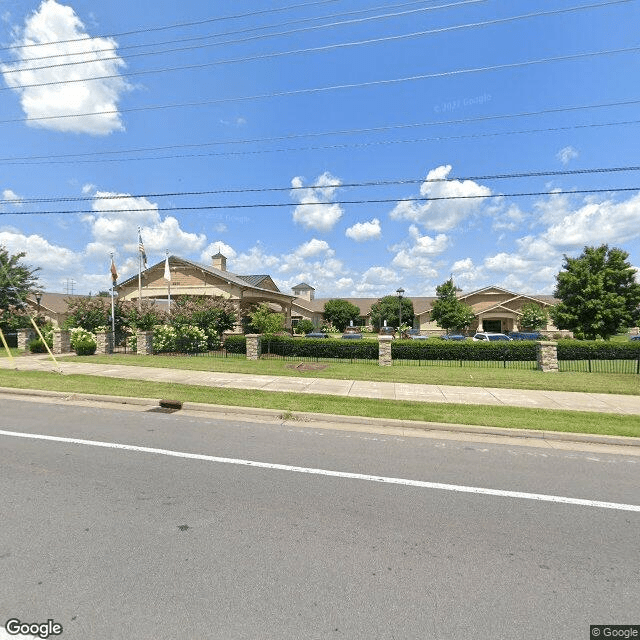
(388, 308)
(449, 312)
(598, 292)
(340, 313)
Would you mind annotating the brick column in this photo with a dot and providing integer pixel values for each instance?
(254, 346)
(144, 344)
(104, 341)
(24, 338)
(61, 341)
(384, 350)
(547, 355)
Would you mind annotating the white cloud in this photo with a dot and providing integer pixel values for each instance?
(55, 262)
(363, 231)
(53, 22)
(12, 196)
(419, 256)
(309, 213)
(217, 247)
(114, 227)
(597, 223)
(566, 154)
(442, 215)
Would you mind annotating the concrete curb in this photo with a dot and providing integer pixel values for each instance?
(326, 420)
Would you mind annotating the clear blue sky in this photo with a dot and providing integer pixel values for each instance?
(263, 105)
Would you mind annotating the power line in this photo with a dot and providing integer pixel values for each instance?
(342, 132)
(355, 85)
(174, 26)
(328, 203)
(346, 145)
(374, 183)
(261, 28)
(279, 54)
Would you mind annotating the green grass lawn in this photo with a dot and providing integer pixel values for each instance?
(628, 384)
(508, 417)
(14, 351)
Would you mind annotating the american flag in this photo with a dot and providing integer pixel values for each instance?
(141, 249)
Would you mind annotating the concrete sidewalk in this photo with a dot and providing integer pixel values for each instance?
(530, 399)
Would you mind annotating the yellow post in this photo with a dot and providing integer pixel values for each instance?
(6, 346)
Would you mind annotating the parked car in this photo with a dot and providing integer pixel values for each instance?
(417, 336)
(351, 336)
(523, 335)
(453, 336)
(485, 336)
(316, 334)
(635, 338)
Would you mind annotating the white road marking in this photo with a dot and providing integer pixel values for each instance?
(334, 474)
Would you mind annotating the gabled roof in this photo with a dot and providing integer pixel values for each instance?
(303, 286)
(256, 280)
(55, 302)
(544, 299)
(240, 281)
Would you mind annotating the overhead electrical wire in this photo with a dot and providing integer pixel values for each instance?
(265, 205)
(354, 85)
(345, 145)
(344, 132)
(279, 54)
(372, 183)
(179, 25)
(252, 29)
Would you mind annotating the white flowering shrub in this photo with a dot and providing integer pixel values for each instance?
(83, 339)
(164, 338)
(190, 339)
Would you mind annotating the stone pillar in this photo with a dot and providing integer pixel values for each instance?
(61, 341)
(254, 346)
(104, 341)
(547, 355)
(25, 336)
(384, 350)
(144, 343)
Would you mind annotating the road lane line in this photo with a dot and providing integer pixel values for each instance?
(334, 474)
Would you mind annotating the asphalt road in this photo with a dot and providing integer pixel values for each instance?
(121, 543)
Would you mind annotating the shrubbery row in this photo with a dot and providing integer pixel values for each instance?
(436, 349)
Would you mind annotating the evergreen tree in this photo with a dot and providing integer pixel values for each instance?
(448, 311)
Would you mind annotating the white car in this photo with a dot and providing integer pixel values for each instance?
(491, 337)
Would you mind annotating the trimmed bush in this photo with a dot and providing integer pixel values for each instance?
(597, 350)
(85, 346)
(37, 346)
(236, 344)
(467, 350)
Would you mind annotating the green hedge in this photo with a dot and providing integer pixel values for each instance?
(467, 350)
(434, 349)
(320, 348)
(236, 344)
(597, 350)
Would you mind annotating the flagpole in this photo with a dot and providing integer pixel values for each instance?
(113, 314)
(139, 271)
(168, 270)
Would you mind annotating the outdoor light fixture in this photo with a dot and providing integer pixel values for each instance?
(400, 292)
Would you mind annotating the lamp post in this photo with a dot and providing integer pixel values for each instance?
(400, 292)
(38, 299)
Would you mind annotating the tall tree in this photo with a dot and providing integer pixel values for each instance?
(388, 308)
(17, 280)
(340, 313)
(598, 293)
(448, 311)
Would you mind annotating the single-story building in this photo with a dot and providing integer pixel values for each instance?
(193, 278)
